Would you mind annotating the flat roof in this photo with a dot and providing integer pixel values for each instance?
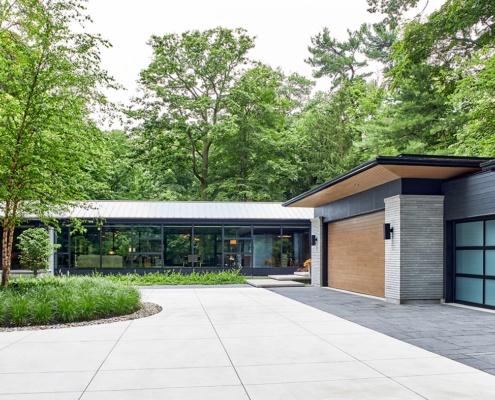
(188, 210)
(384, 169)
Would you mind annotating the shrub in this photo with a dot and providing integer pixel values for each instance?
(177, 278)
(35, 248)
(29, 301)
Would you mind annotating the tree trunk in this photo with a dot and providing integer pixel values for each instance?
(10, 213)
(204, 170)
(7, 239)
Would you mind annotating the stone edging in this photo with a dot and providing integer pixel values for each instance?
(146, 310)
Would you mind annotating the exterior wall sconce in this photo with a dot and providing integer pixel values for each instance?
(314, 239)
(387, 231)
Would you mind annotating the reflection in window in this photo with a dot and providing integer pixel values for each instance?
(266, 246)
(85, 249)
(295, 246)
(177, 245)
(208, 245)
(116, 241)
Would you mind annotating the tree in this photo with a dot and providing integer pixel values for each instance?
(474, 99)
(440, 93)
(335, 59)
(187, 87)
(256, 160)
(50, 83)
(36, 249)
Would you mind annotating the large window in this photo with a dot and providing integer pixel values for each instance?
(295, 246)
(117, 249)
(208, 245)
(475, 262)
(147, 246)
(131, 246)
(267, 250)
(237, 245)
(85, 249)
(177, 246)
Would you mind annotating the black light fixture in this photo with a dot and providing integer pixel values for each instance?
(313, 240)
(387, 231)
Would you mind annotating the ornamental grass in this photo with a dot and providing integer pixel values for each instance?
(55, 300)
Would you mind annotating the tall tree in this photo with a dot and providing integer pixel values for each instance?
(339, 60)
(256, 160)
(187, 85)
(50, 83)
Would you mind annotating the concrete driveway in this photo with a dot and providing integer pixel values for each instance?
(232, 344)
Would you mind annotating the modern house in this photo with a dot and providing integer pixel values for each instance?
(407, 228)
(148, 236)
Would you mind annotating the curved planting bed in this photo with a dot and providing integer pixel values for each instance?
(58, 300)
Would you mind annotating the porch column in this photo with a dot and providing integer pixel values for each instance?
(316, 251)
(414, 253)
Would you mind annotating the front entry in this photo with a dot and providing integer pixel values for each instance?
(356, 254)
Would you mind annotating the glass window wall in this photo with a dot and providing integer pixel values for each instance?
(121, 246)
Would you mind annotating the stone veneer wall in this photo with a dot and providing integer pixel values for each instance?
(414, 254)
(316, 251)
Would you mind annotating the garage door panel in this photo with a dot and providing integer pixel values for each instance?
(356, 254)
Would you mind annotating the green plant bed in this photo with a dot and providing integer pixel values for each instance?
(177, 278)
(54, 300)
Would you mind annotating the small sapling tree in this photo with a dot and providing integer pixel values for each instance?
(36, 249)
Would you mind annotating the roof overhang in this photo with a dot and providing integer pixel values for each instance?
(386, 169)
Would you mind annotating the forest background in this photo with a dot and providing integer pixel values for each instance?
(210, 123)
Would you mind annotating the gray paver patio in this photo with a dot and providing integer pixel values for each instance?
(233, 344)
(461, 334)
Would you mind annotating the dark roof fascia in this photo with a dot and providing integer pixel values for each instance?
(488, 166)
(432, 161)
(403, 159)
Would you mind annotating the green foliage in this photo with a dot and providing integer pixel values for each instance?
(177, 278)
(186, 94)
(474, 98)
(335, 59)
(50, 300)
(50, 82)
(35, 248)
(257, 160)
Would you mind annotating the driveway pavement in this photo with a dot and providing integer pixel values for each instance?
(463, 334)
(228, 344)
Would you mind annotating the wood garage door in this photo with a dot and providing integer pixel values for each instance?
(356, 254)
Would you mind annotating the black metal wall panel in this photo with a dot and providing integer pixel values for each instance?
(470, 197)
(422, 186)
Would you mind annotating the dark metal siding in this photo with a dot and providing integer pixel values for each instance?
(470, 197)
(373, 199)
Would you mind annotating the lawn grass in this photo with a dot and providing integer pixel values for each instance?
(177, 278)
(52, 300)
